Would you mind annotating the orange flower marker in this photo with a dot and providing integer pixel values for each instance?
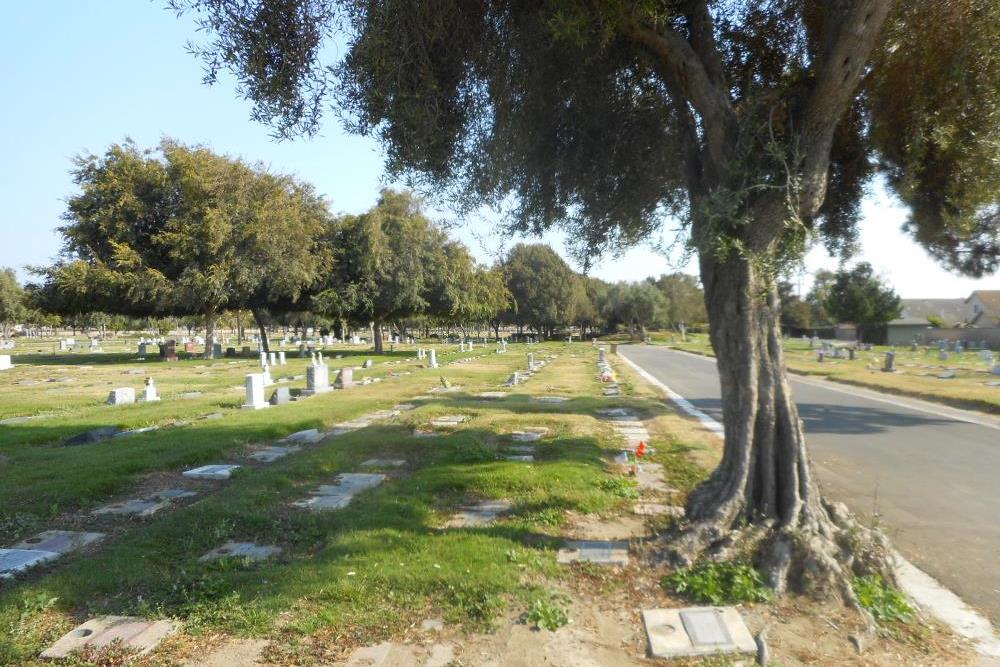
(640, 451)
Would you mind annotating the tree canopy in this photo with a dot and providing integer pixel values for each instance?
(860, 297)
(182, 230)
(12, 300)
(543, 286)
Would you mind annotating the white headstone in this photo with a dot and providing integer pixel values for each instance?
(255, 392)
(5, 362)
(317, 380)
(149, 391)
(432, 362)
(281, 359)
(461, 346)
(272, 359)
(345, 378)
(121, 396)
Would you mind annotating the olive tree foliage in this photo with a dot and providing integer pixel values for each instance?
(758, 124)
(13, 308)
(860, 297)
(181, 230)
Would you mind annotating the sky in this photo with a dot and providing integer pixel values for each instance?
(80, 75)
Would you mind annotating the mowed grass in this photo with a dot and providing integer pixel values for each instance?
(917, 374)
(345, 578)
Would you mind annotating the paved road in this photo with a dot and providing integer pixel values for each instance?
(936, 476)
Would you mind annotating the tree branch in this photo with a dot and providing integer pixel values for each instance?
(702, 29)
(850, 35)
(686, 74)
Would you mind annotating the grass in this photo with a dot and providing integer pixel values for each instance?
(885, 603)
(917, 376)
(355, 576)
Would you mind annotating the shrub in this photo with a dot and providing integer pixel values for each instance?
(547, 615)
(719, 583)
(885, 603)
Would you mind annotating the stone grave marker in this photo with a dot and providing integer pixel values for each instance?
(520, 458)
(149, 394)
(383, 463)
(432, 359)
(137, 634)
(247, 550)
(594, 551)
(308, 436)
(213, 471)
(141, 507)
(282, 361)
(92, 436)
(255, 392)
(13, 561)
(272, 453)
(696, 631)
(890, 362)
(530, 434)
(345, 378)
(317, 380)
(121, 396)
(492, 395)
(168, 350)
(551, 399)
(334, 497)
(448, 421)
(281, 396)
(478, 514)
(59, 541)
(5, 362)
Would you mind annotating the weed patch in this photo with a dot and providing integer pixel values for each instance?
(719, 583)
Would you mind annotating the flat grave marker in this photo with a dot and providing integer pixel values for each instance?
(212, 471)
(594, 551)
(248, 550)
(13, 561)
(478, 514)
(272, 454)
(59, 541)
(696, 631)
(383, 463)
(137, 634)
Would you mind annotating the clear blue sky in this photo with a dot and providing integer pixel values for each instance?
(80, 75)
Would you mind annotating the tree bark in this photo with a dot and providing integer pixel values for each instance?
(763, 495)
(209, 332)
(377, 336)
(265, 342)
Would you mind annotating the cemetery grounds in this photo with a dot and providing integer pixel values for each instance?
(963, 380)
(405, 568)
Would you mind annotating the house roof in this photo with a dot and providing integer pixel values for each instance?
(916, 311)
(990, 313)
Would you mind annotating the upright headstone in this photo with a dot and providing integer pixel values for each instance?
(461, 346)
(850, 353)
(531, 361)
(345, 378)
(302, 350)
(890, 362)
(255, 392)
(168, 350)
(432, 361)
(189, 347)
(281, 358)
(942, 355)
(149, 391)
(5, 362)
(142, 349)
(602, 356)
(317, 380)
(368, 363)
(472, 346)
(121, 396)
(281, 396)
(216, 350)
(272, 358)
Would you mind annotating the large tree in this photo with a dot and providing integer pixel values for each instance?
(12, 301)
(757, 123)
(687, 300)
(860, 297)
(544, 287)
(183, 230)
(392, 263)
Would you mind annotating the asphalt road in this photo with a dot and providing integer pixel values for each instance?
(933, 476)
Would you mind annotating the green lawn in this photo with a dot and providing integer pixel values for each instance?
(356, 575)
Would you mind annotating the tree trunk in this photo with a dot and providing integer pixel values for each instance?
(209, 332)
(265, 343)
(763, 495)
(377, 336)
